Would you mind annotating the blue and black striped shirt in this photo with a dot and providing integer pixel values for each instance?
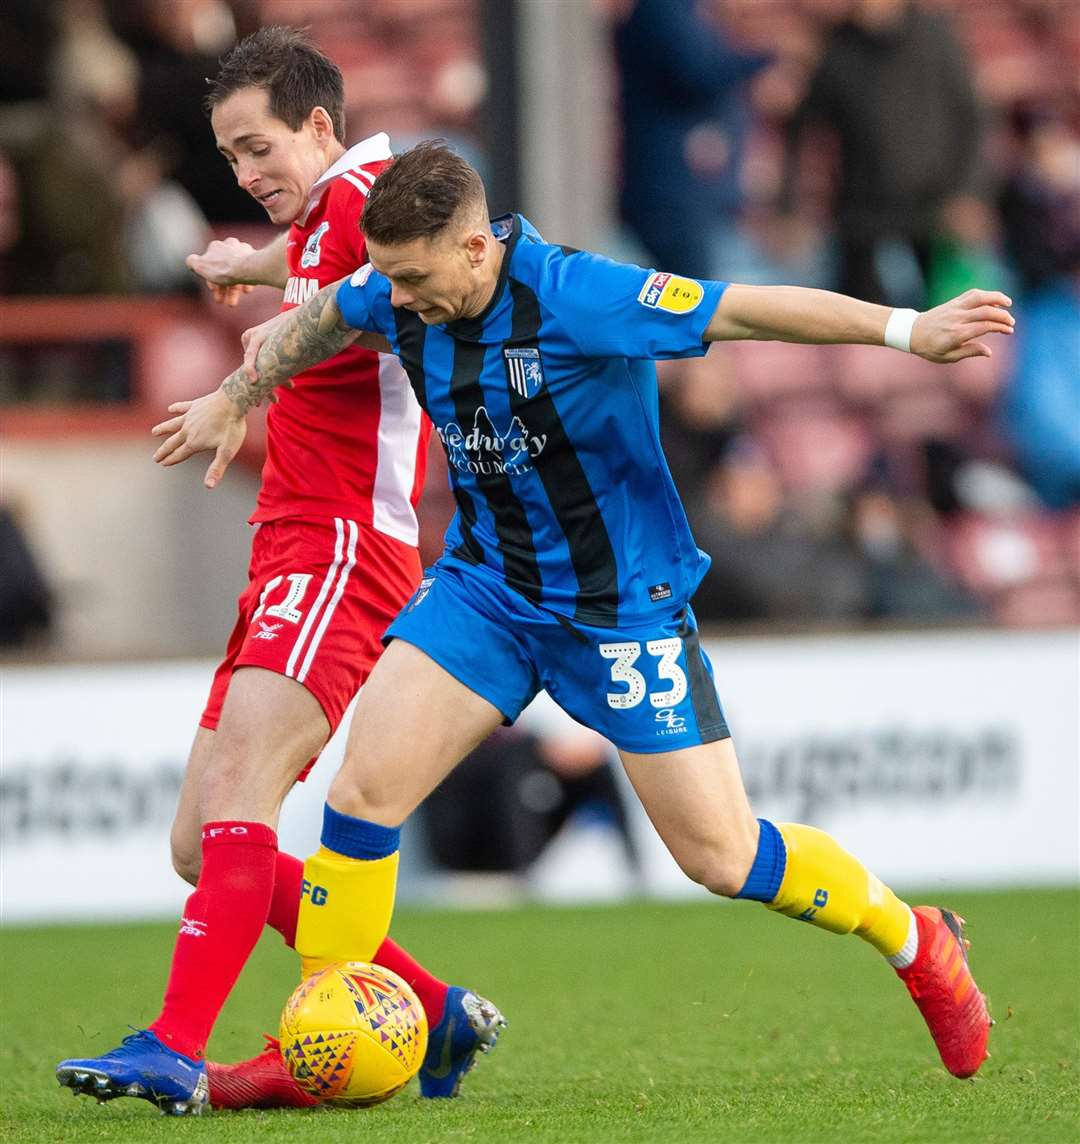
(546, 404)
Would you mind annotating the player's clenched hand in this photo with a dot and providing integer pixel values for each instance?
(220, 266)
(210, 422)
(954, 329)
(252, 340)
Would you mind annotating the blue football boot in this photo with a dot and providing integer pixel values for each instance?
(141, 1066)
(470, 1024)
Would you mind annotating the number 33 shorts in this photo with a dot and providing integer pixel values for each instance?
(646, 689)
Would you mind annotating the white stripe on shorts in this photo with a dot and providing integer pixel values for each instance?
(309, 620)
(343, 579)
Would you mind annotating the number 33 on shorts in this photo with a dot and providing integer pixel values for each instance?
(625, 655)
(673, 673)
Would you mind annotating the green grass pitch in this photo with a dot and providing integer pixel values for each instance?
(697, 1022)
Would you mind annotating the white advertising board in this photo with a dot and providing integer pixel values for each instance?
(91, 759)
(940, 758)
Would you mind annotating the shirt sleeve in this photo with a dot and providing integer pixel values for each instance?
(613, 309)
(363, 301)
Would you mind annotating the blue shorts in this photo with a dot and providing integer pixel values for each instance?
(647, 689)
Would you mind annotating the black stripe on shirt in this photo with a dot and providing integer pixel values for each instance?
(411, 338)
(520, 566)
(569, 493)
(468, 550)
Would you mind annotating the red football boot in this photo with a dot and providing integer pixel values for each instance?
(262, 1082)
(940, 983)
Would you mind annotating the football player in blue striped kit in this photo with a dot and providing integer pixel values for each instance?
(569, 565)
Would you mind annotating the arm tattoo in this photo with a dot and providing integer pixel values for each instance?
(309, 335)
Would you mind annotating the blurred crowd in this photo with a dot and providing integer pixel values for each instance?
(900, 150)
(109, 174)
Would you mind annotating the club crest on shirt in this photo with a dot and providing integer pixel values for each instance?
(422, 590)
(671, 293)
(524, 371)
(312, 251)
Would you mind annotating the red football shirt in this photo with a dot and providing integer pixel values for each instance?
(349, 439)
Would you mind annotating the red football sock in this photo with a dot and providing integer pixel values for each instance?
(431, 991)
(285, 909)
(221, 924)
(285, 903)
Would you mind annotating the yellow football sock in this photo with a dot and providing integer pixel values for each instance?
(825, 885)
(345, 908)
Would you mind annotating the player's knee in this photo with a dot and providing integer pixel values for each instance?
(186, 855)
(721, 868)
(366, 800)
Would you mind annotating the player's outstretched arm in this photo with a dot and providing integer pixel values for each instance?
(232, 268)
(295, 341)
(946, 333)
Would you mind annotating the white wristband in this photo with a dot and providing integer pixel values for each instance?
(898, 329)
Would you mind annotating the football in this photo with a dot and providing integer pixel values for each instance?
(353, 1034)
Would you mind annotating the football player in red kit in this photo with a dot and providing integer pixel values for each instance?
(333, 561)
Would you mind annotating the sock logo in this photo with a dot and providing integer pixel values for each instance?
(821, 898)
(217, 831)
(317, 895)
(192, 927)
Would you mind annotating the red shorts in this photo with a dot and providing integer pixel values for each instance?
(320, 594)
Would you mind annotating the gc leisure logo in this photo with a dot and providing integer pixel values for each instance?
(673, 723)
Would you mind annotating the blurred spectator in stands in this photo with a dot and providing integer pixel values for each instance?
(26, 38)
(829, 560)
(99, 214)
(1041, 405)
(26, 602)
(684, 124)
(899, 583)
(893, 86)
(769, 562)
(10, 216)
(1040, 205)
(417, 74)
(1040, 197)
(68, 157)
(498, 810)
(161, 222)
(177, 43)
(698, 417)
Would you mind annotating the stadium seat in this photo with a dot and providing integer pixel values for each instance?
(1044, 603)
(1070, 532)
(765, 371)
(867, 375)
(992, 554)
(188, 358)
(816, 445)
(981, 379)
(920, 414)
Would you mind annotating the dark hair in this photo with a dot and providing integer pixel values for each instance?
(290, 69)
(420, 194)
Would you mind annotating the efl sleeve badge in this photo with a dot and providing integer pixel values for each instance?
(671, 293)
